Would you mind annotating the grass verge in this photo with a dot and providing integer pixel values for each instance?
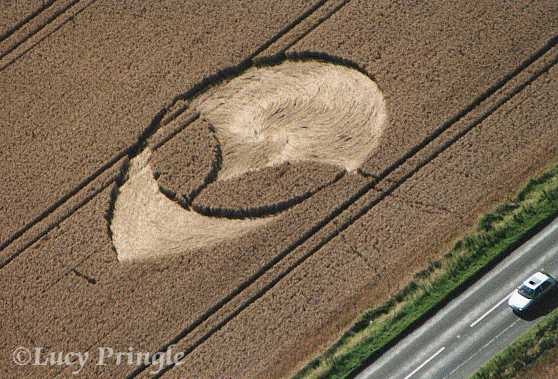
(524, 351)
(497, 234)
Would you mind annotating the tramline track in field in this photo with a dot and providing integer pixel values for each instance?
(429, 143)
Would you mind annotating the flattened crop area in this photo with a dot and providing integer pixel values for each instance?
(239, 182)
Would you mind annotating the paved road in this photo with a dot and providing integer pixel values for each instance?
(467, 332)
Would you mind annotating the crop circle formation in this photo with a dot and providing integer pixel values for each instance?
(296, 111)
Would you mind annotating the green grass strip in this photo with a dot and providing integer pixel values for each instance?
(496, 235)
(524, 351)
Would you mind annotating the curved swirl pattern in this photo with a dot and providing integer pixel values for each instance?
(296, 111)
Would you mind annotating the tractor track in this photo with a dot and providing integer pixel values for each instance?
(40, 28)
(164, 117)
(21, 23)
(362, 210)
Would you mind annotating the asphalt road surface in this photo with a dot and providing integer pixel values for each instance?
(473, 327)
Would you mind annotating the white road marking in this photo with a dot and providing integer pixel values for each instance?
(482, 348)
(426, 362)
(490, 310)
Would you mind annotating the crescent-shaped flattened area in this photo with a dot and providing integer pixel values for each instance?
(146, 224)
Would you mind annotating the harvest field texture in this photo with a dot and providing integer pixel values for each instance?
(239, 181)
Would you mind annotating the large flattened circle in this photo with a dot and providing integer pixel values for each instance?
(295, 111)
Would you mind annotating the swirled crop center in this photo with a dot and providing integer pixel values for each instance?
(296, 111)
(291, 112)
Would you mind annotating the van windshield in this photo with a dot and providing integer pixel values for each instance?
(529, 293)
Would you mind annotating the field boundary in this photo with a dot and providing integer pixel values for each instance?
(524, 351)
(498, 234)
(354, 198)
